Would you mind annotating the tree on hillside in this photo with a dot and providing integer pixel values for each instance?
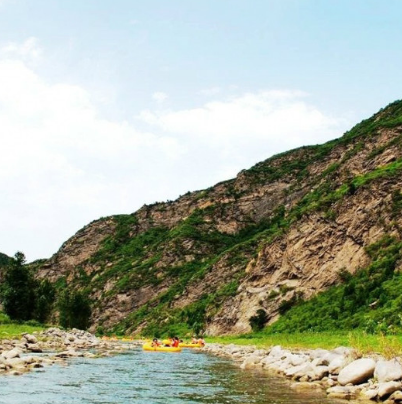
(18, 289)
(45, 295)
(75, 309)
(258, 321)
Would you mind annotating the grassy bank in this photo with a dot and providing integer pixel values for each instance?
(387, 345)
(10, 331)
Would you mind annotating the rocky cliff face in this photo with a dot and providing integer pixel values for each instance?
(280, 231)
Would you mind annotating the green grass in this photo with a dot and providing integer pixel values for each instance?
(387, 345)
(10, 331)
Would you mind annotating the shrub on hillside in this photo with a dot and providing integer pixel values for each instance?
(258, 321)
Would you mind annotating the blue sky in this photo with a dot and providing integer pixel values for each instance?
(113, 104)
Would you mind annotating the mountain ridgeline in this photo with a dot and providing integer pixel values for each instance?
(311, 236)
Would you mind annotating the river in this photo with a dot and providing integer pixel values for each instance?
(138, 377)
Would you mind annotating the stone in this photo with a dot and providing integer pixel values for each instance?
(341, 392)
(29, 359)
(31, 339)
(318, 353)
(369, 394)
(14, 353)
(357, 372)
(15, 373)
(337, 363)
(387, 371)
(320, 372)
(396, 396)
(299, 371)
(342, 350)
(251, 362)
(296, 360)
(35, 366)
(276, 351)
(34, 348)
(16, 363)
(386, 389)
(305, 386)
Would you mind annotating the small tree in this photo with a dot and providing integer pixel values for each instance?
(45, 294)
(18, 290)
(258, 321)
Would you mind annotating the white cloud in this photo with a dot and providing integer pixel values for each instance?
(64, 165)
(28, 50)
(211, 91)
(159, 96)
(253, 124)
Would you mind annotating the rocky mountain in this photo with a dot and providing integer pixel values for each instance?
(278, 233)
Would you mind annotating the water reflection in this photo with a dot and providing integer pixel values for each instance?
(139, 377)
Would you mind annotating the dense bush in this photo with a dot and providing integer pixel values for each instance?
(258, 321)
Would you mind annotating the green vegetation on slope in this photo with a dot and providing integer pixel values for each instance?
(369, 300)
(295, 162)
(213, 246)
(239, 248)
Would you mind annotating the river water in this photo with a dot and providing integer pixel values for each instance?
(138, 377)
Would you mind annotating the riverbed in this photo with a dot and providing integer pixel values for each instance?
(138, 377)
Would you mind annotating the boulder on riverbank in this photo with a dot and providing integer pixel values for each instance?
(357, 372)
(387, 371)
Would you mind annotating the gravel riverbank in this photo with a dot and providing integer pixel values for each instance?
(341, 371)
(52, 346)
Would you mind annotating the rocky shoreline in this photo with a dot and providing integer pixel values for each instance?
(54, 346)
(341, 372)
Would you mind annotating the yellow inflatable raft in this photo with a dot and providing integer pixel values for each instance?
(149, 347)
(190, 345)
